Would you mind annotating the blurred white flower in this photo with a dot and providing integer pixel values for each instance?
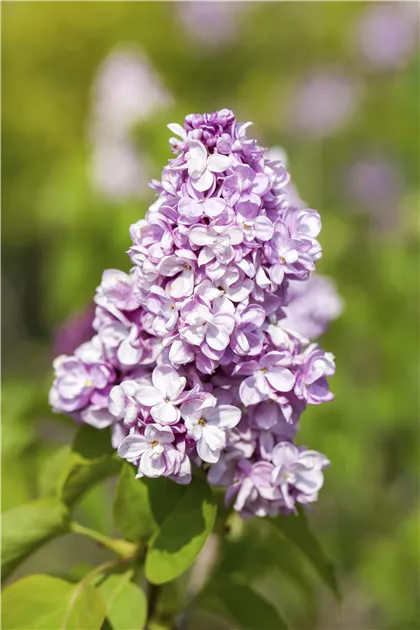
(376, 185)
(387, 33)
(126, 91)
(323, 102)
(118, 172)
(210, 23)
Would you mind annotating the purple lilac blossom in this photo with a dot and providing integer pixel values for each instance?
(203, 352)
(126, 91)
(74, 331)
(323, 102)
(210, 24)
(377, 185)
(387, 34)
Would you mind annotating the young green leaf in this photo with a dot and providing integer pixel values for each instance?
(242, 606)
(29, 526)
(126, 603)
(182, 534)
(41, 602)
(91, 460)
(296, 529)
(140, 505)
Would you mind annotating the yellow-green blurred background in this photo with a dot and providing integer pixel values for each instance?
(88, 88)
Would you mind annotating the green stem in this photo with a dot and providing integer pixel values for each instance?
(153, 592)
(111, 564)
(122, 548)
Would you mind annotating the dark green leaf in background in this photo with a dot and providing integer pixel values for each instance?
(29, 526)
(182, 534)
(126, 603)
(50, 471)
(296, 529)
(91, 460)
(245, 608)
(41, 602)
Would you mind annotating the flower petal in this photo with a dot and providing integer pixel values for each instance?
(214, 207)
(284, 454)
(152, 464)
(165, 412)
(168, 381)
(127, 354)
(249, 393)
(217, 337)
(280, 378)
(224, 416)
(148, 395)
(218, 163)
(201, 235)
(177, 130)
(190, 208)
(203, 182)
(133, 446)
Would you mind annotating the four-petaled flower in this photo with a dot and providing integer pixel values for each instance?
(214, 326)
(297, 473)
(267, 376)
(207, 425)
(202, 166)
(163, 396)
(154, 449)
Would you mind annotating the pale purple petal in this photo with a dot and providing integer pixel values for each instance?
(206, 453)
(280, 378)
(148, 395)
(217, 337)
(214, 207)
(284, 454)
(133, 446)
(224, 416)
(165, 413)
(152, 463)
(200, 235)
(204, 182)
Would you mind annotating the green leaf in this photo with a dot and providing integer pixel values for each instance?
(133, 515)
(41, 602)
(296, 529)
(254, 554)
(242, 606)
(164, 496)
(50, 471)
(182, 534)
(126, 603)
(91, 460)
(29, 526)
(140, 505)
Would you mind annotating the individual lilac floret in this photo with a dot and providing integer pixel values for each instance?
(207, 425)
(164, 395)
(297, 473)
(154, 452)
(202, 354)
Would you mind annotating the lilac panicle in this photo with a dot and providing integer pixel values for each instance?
(203, 353)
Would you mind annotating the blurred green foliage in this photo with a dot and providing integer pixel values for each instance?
(58, 236)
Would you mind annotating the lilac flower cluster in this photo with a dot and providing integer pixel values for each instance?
(202, 353)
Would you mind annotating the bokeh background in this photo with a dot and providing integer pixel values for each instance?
(88, 88)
